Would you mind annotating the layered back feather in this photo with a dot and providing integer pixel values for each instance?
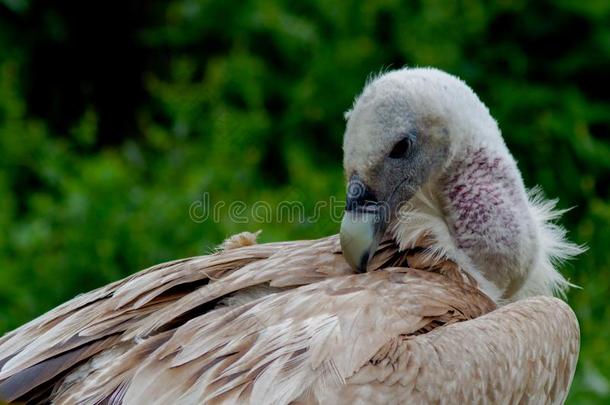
(278, 323)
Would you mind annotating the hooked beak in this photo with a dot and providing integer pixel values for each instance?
(362, 226)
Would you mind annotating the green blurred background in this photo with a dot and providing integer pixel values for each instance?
(116, 116)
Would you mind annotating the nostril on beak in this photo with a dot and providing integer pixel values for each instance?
(359, 196)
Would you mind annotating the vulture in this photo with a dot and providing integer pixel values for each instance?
(439, 287)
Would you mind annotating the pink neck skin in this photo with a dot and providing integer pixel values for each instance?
(488, 215)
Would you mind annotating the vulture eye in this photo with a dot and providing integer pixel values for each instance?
(401, 148)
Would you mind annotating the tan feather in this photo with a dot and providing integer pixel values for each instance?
(306, 330)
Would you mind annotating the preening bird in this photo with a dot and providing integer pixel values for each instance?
(438, 288)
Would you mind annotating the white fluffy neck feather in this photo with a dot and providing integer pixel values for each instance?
(423, 215)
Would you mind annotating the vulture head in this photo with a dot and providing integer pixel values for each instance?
(424, 157)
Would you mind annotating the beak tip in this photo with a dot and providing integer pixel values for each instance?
(364, 261)
(358, 240)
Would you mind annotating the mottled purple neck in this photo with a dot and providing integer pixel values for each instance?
(487, 212)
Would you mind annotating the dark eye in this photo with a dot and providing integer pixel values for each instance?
(401, 148)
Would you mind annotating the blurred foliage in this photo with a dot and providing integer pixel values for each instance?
(115, 119)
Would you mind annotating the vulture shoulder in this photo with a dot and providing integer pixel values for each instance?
(317, 334)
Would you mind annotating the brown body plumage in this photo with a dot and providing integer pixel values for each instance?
(284, 322)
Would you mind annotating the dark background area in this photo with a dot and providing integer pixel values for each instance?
(116, 116)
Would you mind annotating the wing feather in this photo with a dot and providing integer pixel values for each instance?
(305, 330)
(525, 352)
(161, 297)
(285, 345)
